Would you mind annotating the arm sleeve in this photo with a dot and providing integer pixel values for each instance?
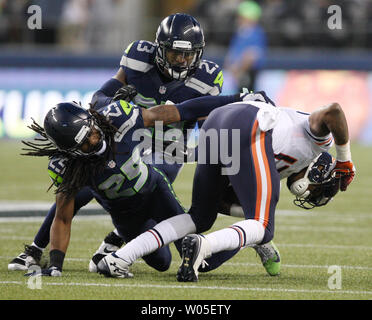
(104, 95)
(201, 107)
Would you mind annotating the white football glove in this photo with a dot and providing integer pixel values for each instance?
(245, 95)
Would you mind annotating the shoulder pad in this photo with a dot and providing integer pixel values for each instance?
(208, 78)
(139, 56)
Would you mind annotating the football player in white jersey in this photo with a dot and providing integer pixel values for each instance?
(283, 144)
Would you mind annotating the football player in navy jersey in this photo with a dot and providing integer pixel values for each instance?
(170, 69)
(101, 150)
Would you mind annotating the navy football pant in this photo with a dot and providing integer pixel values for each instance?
(256, 183)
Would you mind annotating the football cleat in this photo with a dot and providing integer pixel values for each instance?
(270, 257)
(31, 256)
(110, 244)
(195, 249)
(113, 266)
(18, 263)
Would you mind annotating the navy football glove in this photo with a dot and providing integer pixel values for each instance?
(245, 95)
(126, 93)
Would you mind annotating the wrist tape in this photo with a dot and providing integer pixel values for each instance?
(343, 152)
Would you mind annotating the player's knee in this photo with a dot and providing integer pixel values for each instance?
(203, 219)
(160, 260)
(203, 225)
(162, 266)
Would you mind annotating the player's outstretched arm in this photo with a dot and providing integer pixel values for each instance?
(331, 119)
(189, 110)
(167, 113)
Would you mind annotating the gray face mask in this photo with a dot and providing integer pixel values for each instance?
(102, 149)
(96, 150)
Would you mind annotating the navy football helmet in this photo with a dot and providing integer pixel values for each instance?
(68, 126)
(319, 184)
(180, 43)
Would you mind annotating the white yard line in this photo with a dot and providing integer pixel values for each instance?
(279, 226)
(323, 246)
(187, 287)
(36, 205)
(290, 245)
(100, 217)
(317, 229)
(45, 206)
(241, 264)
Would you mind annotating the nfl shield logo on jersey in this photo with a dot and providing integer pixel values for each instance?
(111, 164)
(162, 89)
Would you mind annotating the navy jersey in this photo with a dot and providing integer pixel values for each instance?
(138, 63)
(126, 178)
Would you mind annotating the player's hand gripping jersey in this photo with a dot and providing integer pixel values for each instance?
(124, 177)
(138, 63)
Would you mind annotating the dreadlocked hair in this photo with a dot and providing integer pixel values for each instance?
(79, 170)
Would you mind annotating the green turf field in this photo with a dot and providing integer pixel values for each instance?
(339, 234)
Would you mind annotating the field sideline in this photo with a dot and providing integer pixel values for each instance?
(339, 234)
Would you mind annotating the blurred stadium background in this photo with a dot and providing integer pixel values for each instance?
(79, 46)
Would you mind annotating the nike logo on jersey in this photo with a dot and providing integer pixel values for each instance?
(111, 164)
